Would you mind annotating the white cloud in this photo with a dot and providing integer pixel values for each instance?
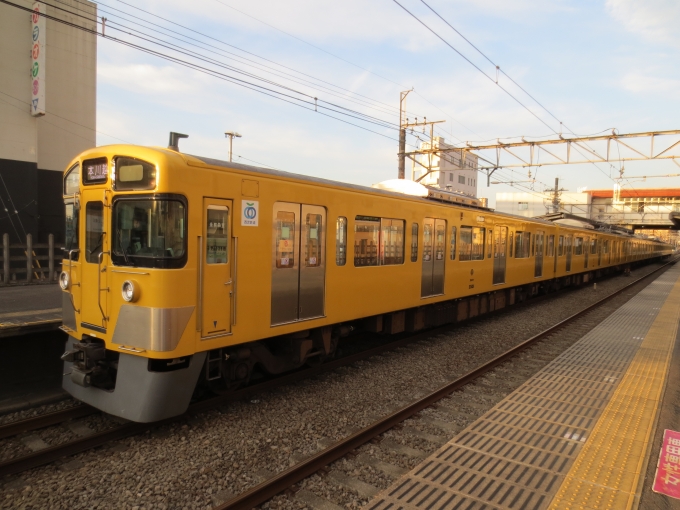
(648, 83)
(655, 20)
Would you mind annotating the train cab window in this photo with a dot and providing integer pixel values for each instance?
(313, 241)
(284, 223)
(341, 241)
(453, 243)
(489, 244)
(366, 241)
(216, 235)
(471, 243)
(150, 232)
(522, 244)
(550, 249)
(72, 181)
(560, 246)
(391, 242)
(134, 174)
(71, 231)
(414, 242)
(578, 246)
(94, 230)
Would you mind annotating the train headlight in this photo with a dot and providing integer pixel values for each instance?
(64, 280)
(130, 291)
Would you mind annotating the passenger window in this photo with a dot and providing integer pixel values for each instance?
(560, 246)
(471, 243)
(578, 246)
(341, 241)
(489, 244)
(285, 239)
(313, 241)
(551, 246)
(94, 230)
(593, 246)
(522, 244)
(440, 241)
(366, 238)
(414, 242)
(511, 238)
(391, 242)
(453, 243)
(216, 235)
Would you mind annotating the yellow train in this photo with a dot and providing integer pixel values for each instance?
(183, 271)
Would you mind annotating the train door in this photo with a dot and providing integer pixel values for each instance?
(217, 287)
(434, 243)
(599, 252)
(538, 269)
(94, 261)
(499, 255)
(586, 251)
(568, 240)
(299, 265)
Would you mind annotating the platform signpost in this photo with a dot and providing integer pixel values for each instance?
(667, 478)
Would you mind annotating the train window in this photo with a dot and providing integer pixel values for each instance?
(440, 240)
(313, 241)
(489, 239)
(511, 238)
(366, 241)
(522, 244)
(341, 241)
(578, 246)
(471, 243)
(71, 231)
(593, 246)
(72, 181)
(216, 235)
(150, 232)
(414, 242)
(285, 239)
(391, 241)
(134, 174)
(453, 243)
(550, 250)
(94, 230)
(560, 246)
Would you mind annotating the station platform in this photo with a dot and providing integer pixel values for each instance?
(580, 434)
(29, 309)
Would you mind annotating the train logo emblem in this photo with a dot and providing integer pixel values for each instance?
(250, 213)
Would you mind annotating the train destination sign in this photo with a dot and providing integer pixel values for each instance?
(95, 171)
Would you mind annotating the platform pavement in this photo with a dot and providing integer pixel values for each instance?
(29, 308)
(578, 434)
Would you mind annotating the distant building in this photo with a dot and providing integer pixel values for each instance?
(644, 210)
(450, 171)
(47, 111)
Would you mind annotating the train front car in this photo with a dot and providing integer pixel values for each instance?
(130, 351)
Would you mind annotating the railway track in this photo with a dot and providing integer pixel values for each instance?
(288, 480)
(298, 472)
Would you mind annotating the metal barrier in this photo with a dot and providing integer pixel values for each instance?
(29, 259)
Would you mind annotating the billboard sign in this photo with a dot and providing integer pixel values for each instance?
(38, 25)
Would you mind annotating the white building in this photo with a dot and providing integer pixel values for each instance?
(451, 170)
(535, 204)
(56, 64)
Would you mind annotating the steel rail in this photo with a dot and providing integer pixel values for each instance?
(46, 420)
(325, 457)
(287, 478)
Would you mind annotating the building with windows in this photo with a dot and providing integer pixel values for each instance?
(646, 211)
(47, 111)
(455, 170)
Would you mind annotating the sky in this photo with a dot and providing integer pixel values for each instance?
(595, 65)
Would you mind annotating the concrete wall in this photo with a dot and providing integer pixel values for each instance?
(35, 150)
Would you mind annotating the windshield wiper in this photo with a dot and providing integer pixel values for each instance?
(120, 240)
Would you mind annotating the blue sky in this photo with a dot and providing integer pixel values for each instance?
(594, 65)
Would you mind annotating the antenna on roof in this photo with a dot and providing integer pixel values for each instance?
(173, 144)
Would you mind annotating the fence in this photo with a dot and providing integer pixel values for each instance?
(29, 259)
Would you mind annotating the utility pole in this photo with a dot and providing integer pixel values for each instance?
(556, 195)
(402, 134)
(231, 135)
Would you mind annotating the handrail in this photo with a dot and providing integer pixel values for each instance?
(70, 279)
(99, 285)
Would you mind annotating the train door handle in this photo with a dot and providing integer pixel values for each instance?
(228, 283)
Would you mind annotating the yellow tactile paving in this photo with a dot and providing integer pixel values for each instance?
(607, 472)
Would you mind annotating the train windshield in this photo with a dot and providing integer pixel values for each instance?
(149, 233)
